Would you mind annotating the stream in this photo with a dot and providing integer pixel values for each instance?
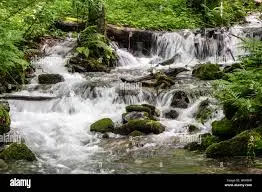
(58, 130)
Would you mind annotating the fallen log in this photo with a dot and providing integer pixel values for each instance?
(169, 72)
(27, 98)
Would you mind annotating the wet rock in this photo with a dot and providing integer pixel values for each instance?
(136, 39)
(17, 151)
(193, 129)
(50, 78)
(144, 126)
(105, 136)
(5, 120)
(134, 115)
(224, 129)
(150, 109)
(236, 146)
(172, 114)
(136, 134)
(208, 72)
(102, 126)
(180, 100)
(70, 24)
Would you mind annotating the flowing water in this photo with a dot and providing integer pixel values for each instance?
(58, 132)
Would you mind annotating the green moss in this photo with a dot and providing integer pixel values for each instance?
(102, 126)
(224, 129)
(135, 134)
(144, 126)
(208, 72)
(17, 152)
(5, 120)
(204, 111)
(208, 140)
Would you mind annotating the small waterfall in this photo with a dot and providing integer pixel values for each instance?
(58, 131)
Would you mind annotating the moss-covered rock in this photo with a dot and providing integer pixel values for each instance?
(204, 111)
(208, 72)
(171, 114)
(135, 134)
(193, 129)
(5, 104)
(50, 78)
(207, 140)
(81, 64)
(224, 129)
(4, 120)
(144, 126)
(234, 67)
(180, 100)
(17, 152)
(103, 125)
(193, 146)
(236, 146)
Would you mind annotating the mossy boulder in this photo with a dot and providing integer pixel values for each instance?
(236, 146)
(193, 146)
(50, 78)
(224, 129)
(234, 67)
(144, 126)
(208, 72)
(193, 129)
(171, 114)
(81, 64)
(204, 111)
(5, 104)
(17, 151)
(136, 134)
(134, 115)
(3, 165)
(5, 120)
(102, 126)
(180, 100)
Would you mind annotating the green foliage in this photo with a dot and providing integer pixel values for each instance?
(175, 14)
